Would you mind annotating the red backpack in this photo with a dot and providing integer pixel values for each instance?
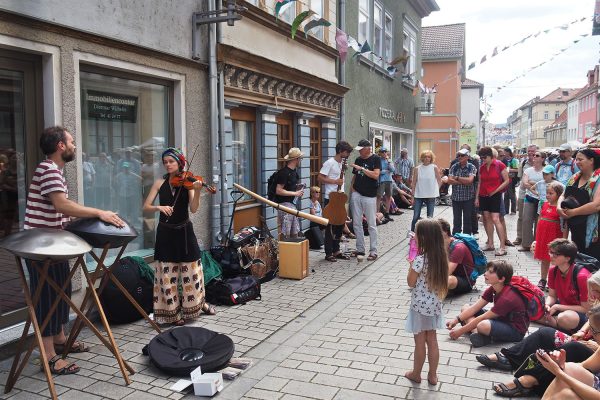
(534, 298)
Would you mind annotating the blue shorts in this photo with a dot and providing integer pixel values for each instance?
(501, 331)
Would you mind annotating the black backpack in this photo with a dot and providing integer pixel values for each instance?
(233, 291)
(272, 186)
(582, 261)
(135, 276)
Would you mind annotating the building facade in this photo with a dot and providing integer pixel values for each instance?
(470, 107)
(279, 93)
(379, 106)
(124, 89)
(587, 120)
(556, 133)
(573, 120)
(547, 109)
(443, 54)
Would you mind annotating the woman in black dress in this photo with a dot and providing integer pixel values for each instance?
(178, 279)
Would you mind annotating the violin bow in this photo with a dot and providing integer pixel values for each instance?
(189, 165)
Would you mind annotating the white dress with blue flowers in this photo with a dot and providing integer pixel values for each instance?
(425, 311)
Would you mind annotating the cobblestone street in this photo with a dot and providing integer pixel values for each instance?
(338, 334)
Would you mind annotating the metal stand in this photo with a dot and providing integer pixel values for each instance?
(102, 269)
(31, 302)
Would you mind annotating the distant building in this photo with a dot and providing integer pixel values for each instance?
(573, 120)
(587, 119)
(470, 105)
(556, 133)
(443, 55)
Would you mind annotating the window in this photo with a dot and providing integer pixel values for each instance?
(315, 152)
(556, 114)
(253, 2)
(289, 14)
(388, 37)
(317, 6)
(363, 21)
(126, 124)
(545, 114)
(409, 46)
(285, 137)
(378, 32)
(243, 148)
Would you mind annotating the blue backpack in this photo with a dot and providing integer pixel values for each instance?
(479, 259)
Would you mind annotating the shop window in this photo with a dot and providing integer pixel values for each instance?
(243, 148)
(315, 153)
(126, 124)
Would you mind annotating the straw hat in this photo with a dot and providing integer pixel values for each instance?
(293, 154)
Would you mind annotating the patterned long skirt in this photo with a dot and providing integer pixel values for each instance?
(178, 291)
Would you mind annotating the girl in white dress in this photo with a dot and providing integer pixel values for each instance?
(428, 276)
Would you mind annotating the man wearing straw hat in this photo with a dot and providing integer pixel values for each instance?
(287, 190)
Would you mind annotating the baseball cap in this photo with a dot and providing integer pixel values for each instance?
(463, 152)
(548, 169)
(383, 150)
(362, 144)
(565, 147)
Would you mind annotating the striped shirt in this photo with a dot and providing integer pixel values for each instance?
(40, 212)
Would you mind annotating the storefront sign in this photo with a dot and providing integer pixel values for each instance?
(468, 136)
(393, 115)
(110, 106)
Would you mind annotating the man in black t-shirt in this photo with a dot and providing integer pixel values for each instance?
(365, 182)
(287, 190)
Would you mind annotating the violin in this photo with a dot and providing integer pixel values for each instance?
(187, 179)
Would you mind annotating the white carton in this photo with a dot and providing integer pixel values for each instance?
(206, 384)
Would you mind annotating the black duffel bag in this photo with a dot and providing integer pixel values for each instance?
(138, 278)
(229, 259)
(181, 350)
(233, 291)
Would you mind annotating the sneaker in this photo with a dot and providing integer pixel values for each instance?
(479, 340)
(542, 284)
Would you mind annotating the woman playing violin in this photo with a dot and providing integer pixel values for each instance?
(176, 251)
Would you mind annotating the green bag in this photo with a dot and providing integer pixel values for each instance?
(212, 269)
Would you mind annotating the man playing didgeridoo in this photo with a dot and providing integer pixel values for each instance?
(48, 206)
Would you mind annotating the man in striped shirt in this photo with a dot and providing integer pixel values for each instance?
(48, 206)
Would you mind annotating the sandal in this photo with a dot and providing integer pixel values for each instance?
(501, 361)
(179, 322)
(77, 347)
(487, 248)
(331, 258)
(357, 253)
(518, 391)
(209, 309)
(500, 253)
(350, 235)
(341, 256)
(372, 257)
(68, 369)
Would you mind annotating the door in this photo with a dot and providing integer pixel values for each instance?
(20, 114)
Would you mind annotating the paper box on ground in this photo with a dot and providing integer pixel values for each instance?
(206, 384)
(293, 259)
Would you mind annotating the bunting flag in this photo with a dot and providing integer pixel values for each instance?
(365, 48)
(471, 66)
(282, 6)
(392, 70)
(483, 59)
(304, 15)
(353, 43)
(341, 44)
(495, 52)
(401, 59)
(314, 24)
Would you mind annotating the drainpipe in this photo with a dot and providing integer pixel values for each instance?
(222, 156)
(214, 133)
(342, 71)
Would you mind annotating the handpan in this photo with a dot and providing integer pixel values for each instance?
(99, 233)
(42, 243)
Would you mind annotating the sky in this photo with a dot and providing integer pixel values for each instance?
(497, 23)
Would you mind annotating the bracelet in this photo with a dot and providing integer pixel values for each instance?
(460, 321)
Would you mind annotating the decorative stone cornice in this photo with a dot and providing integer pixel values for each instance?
(279, 89)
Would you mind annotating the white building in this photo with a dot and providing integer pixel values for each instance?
(470, 99)
(572, 118)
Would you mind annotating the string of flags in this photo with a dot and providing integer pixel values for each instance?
(496, 50)
(344, 42)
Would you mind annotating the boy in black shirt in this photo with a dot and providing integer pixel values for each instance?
(365, 182)
(286, 192)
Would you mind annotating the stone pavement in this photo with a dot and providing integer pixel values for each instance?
(338, 334)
